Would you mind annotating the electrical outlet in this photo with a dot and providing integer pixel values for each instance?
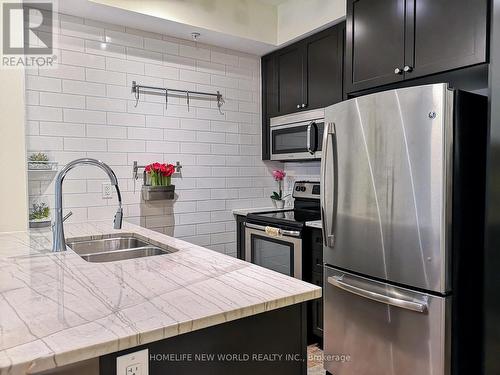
(136, 363)
(107, 190)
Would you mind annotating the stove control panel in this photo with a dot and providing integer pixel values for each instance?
(306, 190)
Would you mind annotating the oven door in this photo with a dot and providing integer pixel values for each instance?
(297, 141)
(280, 252)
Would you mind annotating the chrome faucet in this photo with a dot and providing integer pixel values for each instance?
(59, 242)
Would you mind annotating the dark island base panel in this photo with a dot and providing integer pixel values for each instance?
(271, 343)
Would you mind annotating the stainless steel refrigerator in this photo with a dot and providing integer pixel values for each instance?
(402, 209)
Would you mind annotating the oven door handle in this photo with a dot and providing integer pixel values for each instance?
(280, 232)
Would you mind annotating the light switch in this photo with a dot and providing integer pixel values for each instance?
(136, 363)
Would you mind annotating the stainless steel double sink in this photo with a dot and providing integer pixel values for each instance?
(116, 247)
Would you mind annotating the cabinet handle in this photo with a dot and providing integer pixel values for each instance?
(303, 106)
(298, 105)
(398, 71)
(408, 69)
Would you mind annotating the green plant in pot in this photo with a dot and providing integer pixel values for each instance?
(38, 161)
(39, 215)
(277, 196)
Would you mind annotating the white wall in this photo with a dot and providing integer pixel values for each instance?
(299, 17)
(13, 202)
(85, 107)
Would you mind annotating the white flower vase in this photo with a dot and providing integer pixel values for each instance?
(279, 203)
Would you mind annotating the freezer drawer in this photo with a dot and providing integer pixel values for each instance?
(373, 328)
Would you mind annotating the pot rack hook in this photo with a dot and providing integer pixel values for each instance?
(166, 98)
(135, 90)
(220, 102)
(187, 99)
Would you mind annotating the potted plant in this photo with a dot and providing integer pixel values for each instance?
(158, 182)
(39, 161)
(40, 215)
(277, 196)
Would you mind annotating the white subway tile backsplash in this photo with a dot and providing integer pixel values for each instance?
(193, 76)
(84, 144)
(162, 46)
(81, 31)
(62, 129)
(64, 71)
(162, 122)
(144, 133)
(224, 58)
(103, 76)
(41, 143)
(62, 100)
(106, 104)
(146, 56)
(84, 88)
(194, 52)
(165, 72)
(83, 59)
(115, 145)
(125, 66)
(195, 148)
(109, 132)
(162, 147)
(124, 39)
(83, 116)
(84, 107)
(44, 113)
(126, 119)
(43, 83)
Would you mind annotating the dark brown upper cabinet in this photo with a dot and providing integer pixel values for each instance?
(290, 69)
(324, 68)
(305, 75)
(388, 41)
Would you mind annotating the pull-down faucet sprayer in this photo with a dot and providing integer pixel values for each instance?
(59, 242)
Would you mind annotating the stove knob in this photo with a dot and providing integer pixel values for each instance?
(297, 188)
(303, 188)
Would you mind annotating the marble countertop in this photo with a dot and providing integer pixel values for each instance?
(246, 211)
(58, 309)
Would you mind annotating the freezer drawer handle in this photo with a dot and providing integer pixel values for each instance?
(408, 305)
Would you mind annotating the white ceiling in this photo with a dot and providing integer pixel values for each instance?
(273, 2)
(141, 21)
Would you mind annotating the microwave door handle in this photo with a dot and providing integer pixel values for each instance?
(377, 297)
(310, 147)
(328, 190)
(309, 127)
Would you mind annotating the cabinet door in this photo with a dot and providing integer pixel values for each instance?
(269, 100)
(269, 86)
(445, 34)
(375, 37)
(290, 78)
(317, 307)
(324, 62)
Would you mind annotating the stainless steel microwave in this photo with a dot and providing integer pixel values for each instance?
(297, 136)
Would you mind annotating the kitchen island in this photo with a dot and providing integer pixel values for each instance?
(60, 314)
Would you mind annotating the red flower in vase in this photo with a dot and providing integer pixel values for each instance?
(169, 170)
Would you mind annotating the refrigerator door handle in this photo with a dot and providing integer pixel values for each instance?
(328, 190)
(377, 297)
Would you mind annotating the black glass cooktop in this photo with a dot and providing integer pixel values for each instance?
(296, 218)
